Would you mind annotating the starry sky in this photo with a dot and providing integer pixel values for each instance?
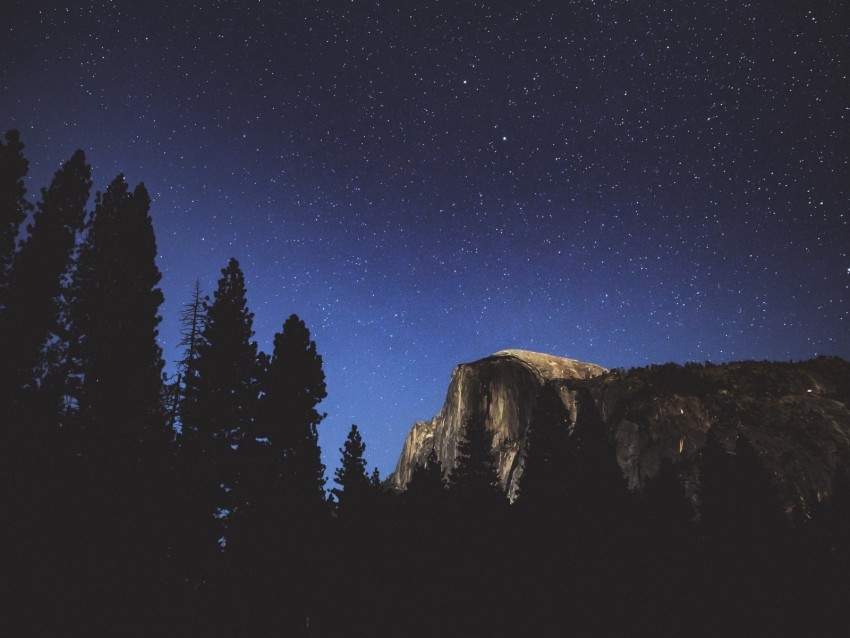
(425, 183)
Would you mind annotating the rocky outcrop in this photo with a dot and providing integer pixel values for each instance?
(502, 390)
(795, 414)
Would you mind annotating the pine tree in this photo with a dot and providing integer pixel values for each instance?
(293, 386)
(36, 481)
(354, 486)
(666, 510)
(218, 409)
(36, 486)
(426, 489)
(35, 283)
(279, 522)
(716, 488)
(475, 478)
(123, 437)
(13, 203)
(545, 472)
(114, 325)
(756, 507)
(596, 493)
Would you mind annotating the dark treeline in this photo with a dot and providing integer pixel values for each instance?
(198, 507)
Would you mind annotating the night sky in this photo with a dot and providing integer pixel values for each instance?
(426, 183)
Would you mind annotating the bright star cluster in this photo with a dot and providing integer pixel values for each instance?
(427, 183)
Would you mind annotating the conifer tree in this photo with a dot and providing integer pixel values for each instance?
(293, 386)
(596, 493)
(426, 489)
(280, 515)
(757, 507)
(114, 326)
(354, 485)
(474, 477)
(33, 460)
(13, 203)
(716, 488)
(219, 407)
(666, 509)
(545, 472)
(34, 284)
(117, 435)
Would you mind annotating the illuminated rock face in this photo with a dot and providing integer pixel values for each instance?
(795, 414)
(502, 389)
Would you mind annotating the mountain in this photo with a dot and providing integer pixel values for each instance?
(796, 415)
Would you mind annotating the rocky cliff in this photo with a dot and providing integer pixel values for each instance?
(795, 414)
(502, 389)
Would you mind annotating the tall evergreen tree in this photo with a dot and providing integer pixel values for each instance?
(354, 486)
(218, 407)
(34, 284)
(545, 472)
(666, 510)
(34, 463)
(756, 506)
(13, 203)
(474, 477)
(745, 529)
(124, 440)
(597, 495)
(35, 481)
(427, 487)
(114, 325)
(293, 386)
(279, 521)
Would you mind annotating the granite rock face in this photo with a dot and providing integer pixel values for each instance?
(797, 415)
(502, 389)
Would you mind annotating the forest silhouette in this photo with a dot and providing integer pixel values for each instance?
(137, 505)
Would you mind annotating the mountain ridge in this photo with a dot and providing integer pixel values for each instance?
(795, 414)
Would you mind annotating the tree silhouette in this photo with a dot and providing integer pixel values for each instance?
(37, 484)
(745, 529)
(739, 505)
(715, 487)
(666, 548)
(34, 284)
(122, 432)
(426, 489)
(13, 203)
(475, 478)
(191, 324)
(666, 510)
(355, 488)
(759, 506)
(217, 411)
(596, 496)
(38, 478)
(115, 317)
(279, 518)
(293, 386)
(545, 473)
